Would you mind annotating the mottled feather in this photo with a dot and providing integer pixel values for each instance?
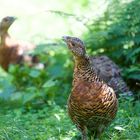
(107, 70)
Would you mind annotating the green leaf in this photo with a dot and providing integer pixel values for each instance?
(34, 73)
(27, 97)
(17, 96)
(134, 76)
(49, 83)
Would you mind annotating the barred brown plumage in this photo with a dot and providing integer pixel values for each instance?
(92, 104)
(110, 73)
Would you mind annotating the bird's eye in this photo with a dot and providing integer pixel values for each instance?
(5, 19)
(72, 44)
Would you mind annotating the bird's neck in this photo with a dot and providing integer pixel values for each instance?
(84, 70)
(4, 36)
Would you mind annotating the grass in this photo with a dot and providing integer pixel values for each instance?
(53, 123)
(49, 123)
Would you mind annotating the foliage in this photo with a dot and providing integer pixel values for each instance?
(32, 86)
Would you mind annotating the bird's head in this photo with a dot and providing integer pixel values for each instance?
(6, 22)
(75, 45)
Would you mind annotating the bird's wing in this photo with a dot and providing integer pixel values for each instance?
(105, 67)
(110, 73)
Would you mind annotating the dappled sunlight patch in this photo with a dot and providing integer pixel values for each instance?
(119, 128)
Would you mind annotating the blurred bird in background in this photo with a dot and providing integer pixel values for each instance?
(13, 51)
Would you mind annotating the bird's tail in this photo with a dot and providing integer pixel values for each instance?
(120, 87)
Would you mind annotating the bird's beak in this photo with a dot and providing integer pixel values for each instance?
(12, 19)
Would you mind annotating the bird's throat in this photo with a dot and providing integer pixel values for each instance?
(83, 70)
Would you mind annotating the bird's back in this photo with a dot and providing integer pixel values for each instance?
(107, 70)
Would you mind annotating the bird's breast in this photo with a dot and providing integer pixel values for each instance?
(91, 99)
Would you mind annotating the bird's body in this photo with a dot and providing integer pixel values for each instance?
(12, 58)
(92, 104)
(12, 51)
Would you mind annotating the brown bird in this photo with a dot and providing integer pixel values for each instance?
(13, 51)
(92, 104)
